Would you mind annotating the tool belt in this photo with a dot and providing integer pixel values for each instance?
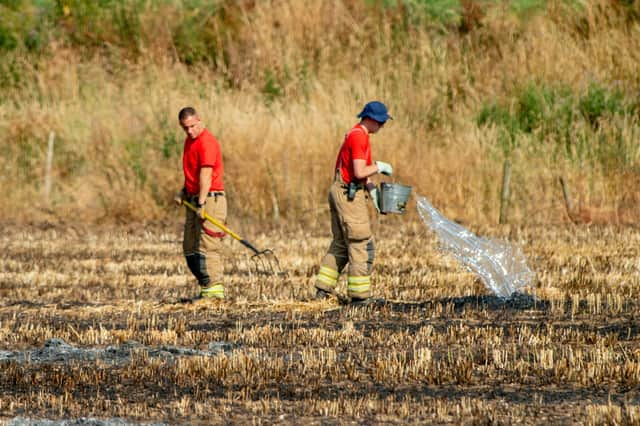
(343, 184)
(355, 186)
(209, 194)
(350, 188)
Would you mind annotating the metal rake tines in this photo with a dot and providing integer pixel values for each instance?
(266, 263)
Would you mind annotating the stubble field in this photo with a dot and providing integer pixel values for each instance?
(93, 324)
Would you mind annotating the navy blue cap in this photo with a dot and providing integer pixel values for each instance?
(376, 111)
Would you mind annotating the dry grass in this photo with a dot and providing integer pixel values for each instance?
(439, 350)
(118, 142)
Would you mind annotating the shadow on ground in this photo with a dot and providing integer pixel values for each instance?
(518, 301)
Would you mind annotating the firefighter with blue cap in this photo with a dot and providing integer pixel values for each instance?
(352, 242)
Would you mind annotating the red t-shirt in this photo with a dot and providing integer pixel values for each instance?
(355, 147)
(203, 151)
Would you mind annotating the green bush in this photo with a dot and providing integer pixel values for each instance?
(572, 124)
(532, 108)
(449, 13)
(8, 40)
(598, 102)
(194, 36)
(272, 88)
(23, 25)
(500, 116)
(524, 7)
(443, 11)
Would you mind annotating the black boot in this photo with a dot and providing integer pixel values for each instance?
(322, 294)
(361, 302)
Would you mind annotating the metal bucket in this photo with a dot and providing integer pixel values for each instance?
(393, 197)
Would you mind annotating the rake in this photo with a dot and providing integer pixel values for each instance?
(264, 261)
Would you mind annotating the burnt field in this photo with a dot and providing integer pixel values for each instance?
(93, 323)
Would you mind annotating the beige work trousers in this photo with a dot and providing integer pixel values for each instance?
(202, 242)
(352, 243)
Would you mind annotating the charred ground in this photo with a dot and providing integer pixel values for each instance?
(92, 324)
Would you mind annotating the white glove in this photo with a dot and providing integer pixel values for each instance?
(384, 168)
(375, 198)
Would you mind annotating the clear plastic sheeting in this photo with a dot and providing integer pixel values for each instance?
(501, 266)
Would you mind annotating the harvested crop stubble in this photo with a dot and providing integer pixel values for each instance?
(439, 348)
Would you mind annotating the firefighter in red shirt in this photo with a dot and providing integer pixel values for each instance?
(350, 225)
(203, 187)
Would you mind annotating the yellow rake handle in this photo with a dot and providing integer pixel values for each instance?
(224, 228)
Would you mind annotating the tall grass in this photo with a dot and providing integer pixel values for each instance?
(553, 86)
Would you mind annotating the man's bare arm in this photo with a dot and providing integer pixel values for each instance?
(361, 170)
(206, 173)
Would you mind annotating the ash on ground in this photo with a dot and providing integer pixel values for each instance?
(57, 350)
(83, 421)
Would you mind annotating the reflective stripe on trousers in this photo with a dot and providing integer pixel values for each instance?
(359, 287)
(328, 276)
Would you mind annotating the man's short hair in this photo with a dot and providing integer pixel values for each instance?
(186, 112)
